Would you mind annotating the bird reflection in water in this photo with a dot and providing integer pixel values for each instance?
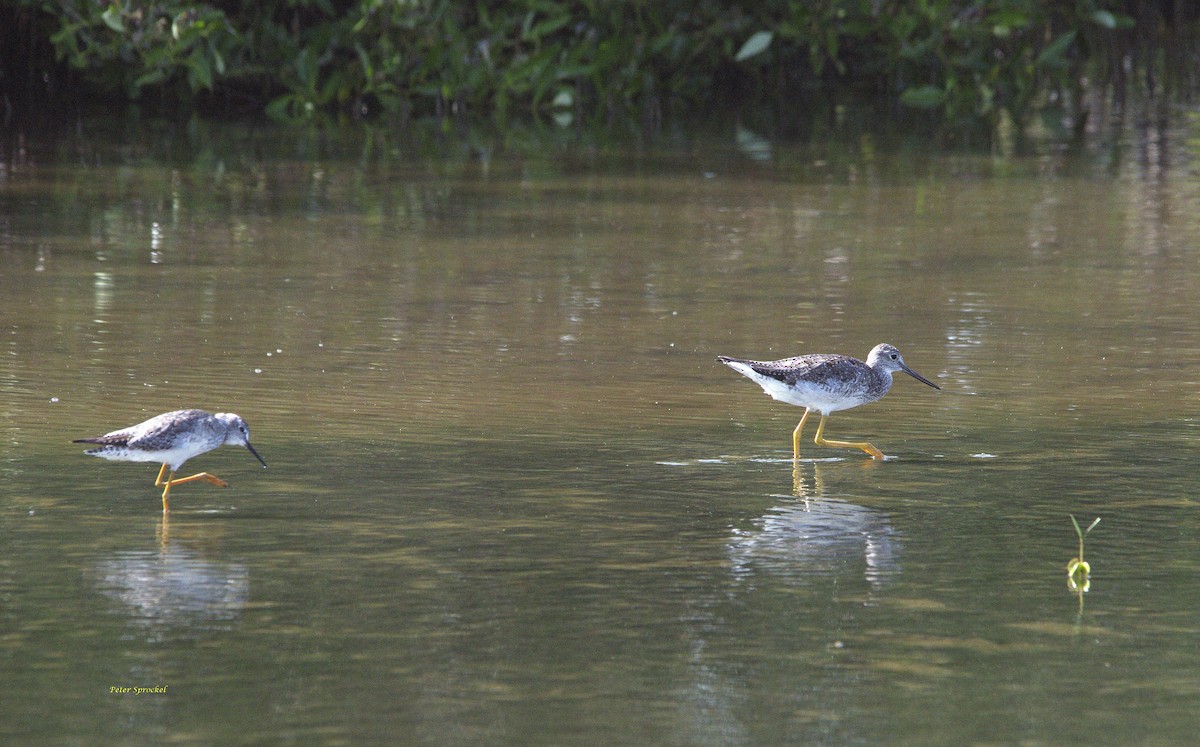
(820, 535)
(173, 588)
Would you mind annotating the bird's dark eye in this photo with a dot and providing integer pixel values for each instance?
(894, 356)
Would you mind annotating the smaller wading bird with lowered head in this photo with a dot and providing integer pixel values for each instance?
(173, 438)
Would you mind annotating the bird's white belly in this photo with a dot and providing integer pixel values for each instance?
(807, 395)
(804, 394)
(174, 457)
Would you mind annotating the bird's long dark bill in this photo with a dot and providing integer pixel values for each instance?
(908, 371)
(264, 464)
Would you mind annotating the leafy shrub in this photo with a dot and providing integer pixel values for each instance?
(964, 60)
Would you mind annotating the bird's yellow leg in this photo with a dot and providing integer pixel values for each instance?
(820, 440)
(199, 476)
(796, 435)
(165, 485)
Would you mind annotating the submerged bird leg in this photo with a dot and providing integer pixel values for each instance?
(796, 435)
(820, 440)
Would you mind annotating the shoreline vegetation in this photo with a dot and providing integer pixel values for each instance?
(955, 63)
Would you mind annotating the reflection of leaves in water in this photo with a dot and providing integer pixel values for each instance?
(826, 537)
(175, 588)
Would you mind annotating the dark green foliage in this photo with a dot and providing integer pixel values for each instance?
(146, 45)
(965, 61)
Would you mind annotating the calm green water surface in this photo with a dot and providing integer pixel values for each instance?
(514, 499)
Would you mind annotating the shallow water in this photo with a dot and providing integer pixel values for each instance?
(513, 497)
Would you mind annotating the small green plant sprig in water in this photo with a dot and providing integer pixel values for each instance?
(1078, 569)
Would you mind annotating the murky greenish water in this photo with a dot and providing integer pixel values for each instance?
(514, 499)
